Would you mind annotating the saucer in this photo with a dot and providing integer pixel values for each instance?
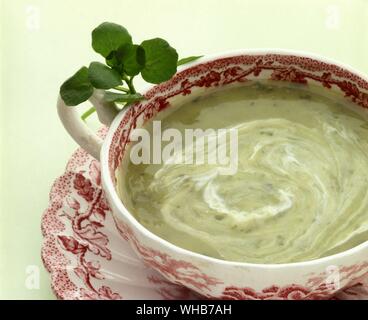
(87, 257)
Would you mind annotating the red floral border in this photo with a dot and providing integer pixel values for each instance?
(86, 215)
(178, 271)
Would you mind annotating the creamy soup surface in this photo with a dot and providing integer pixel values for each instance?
(300, 190)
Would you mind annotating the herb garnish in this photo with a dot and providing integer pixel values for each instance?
(154, 59)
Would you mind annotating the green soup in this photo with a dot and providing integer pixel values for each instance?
(300, 189)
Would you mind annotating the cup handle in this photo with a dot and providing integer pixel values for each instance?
(78, 129)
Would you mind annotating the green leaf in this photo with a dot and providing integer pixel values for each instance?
(133, 60)
(115, 58)
(187, 60)
(108, 37)
(112, 60)
(161, 60)
(77, 88)
(129, 58)
(103, 77)
(123, 98)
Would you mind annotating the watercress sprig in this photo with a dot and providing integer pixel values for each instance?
(154, 59)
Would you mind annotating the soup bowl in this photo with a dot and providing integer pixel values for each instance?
(211, 277)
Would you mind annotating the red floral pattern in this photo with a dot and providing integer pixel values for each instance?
(357, 288)
(171, 291)
(315, 289)
(85, 226)
(292, 292)
(178, 271)
(81, 201)
(103, 293)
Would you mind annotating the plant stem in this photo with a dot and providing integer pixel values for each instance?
(120, 88)
(88, 113)
(129, 81)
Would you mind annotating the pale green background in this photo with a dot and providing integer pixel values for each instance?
(44, 42)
